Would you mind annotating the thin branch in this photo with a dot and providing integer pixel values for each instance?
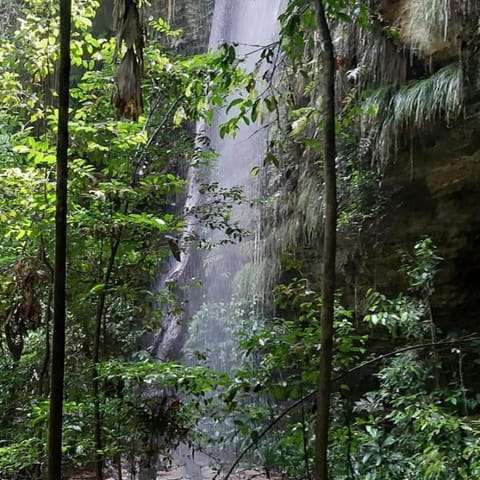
(443, 344)
(140, 156)
(259, 47)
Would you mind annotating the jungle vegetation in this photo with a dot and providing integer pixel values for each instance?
(351, 91)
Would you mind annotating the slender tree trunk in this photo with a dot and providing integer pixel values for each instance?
(96, 357)
(97, 427)
(329, 246)
(59, 288)
(43, 380)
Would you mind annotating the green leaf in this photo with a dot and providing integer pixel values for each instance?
(271, 103)
(271, 158)
(21, 149)
(313, 143)
(97, 288)
(255, 171)
(233, 103)
(21, 233)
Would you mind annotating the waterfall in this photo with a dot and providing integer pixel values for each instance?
(249, 25)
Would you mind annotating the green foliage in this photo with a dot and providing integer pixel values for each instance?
(438, 96)
(140, 399)
(403, 425)
(405, 430)
(123, 179)
(411, 426)
(402, 316)
(222, 322)
(422, 266)
(19, 458)
(215, 213)
(279, 362)
(147, 399)
(123, 182)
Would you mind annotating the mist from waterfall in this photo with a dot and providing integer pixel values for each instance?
(212, 313)
(249, 25)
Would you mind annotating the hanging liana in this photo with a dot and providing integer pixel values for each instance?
(130, 27)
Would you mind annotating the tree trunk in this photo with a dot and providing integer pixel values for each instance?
(43, 378)
(59, 288)
(96, 357)
(329, 246)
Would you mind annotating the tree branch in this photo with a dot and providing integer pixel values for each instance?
(443, 344)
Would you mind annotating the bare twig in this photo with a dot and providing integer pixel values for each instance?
(443, 344)
(140, 156)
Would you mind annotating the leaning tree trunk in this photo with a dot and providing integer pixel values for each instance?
(58, 342)
(329, 246)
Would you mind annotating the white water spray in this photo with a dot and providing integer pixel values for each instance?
(250, 25)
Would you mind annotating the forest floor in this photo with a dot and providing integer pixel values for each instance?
(209, 474)
(187, 465)
(180, 473)
(196, 465)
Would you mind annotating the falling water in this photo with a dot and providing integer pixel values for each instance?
(249, 25)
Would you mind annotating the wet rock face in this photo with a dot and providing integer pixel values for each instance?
(432, 188)
(193, 17)
(434, 192)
